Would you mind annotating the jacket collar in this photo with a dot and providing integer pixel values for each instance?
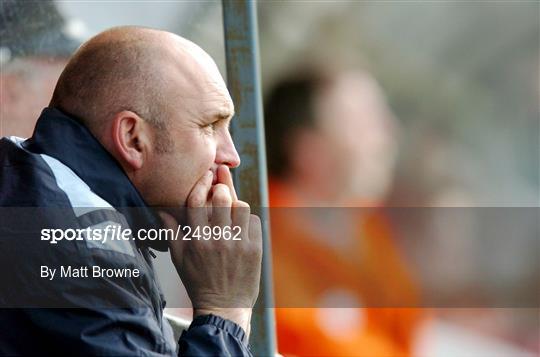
(62, 137)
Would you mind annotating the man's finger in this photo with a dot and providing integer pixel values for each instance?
(224, 176)
(240, 217)
(255, 230)
(197, 200)
(170, 222)
(221, 205)
(199, 193)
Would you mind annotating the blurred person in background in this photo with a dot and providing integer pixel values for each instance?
(36, 42)
(332, 144)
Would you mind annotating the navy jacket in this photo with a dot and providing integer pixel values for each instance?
(62, 178)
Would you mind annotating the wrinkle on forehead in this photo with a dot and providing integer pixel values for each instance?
(218, 102)
(196, 79)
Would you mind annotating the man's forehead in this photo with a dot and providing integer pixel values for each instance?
(220, 107)
(196, 79)
(190, 51)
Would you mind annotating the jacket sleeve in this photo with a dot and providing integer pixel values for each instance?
(211, 335)
(84, 332)
(121, 333)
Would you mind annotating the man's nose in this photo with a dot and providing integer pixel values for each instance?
(227, 154)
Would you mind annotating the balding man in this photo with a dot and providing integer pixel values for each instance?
(139, 118)
(345, 258)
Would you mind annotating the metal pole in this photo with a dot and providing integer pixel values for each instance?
(242, 56)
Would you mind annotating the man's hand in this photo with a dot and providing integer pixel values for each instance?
(221, 276)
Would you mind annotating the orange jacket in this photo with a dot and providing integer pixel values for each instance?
(361, 267)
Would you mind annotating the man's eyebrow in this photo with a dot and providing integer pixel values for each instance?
(226, 114)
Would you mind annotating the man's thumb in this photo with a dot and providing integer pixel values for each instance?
(169, 222)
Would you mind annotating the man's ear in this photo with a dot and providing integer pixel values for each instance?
(131, 139)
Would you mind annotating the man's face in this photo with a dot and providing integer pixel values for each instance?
(27, 85)
(198, 130)
(358, 131)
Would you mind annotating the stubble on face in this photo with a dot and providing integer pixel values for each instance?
(186, 148)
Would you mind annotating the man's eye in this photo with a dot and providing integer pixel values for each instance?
(211, 127)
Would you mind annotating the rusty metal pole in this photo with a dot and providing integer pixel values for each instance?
(243, 78)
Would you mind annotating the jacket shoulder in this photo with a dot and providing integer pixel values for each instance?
(25, 178)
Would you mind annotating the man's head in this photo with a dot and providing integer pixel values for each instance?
(333, 132)
(157, 103)
(27, 85)
(35, 47)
